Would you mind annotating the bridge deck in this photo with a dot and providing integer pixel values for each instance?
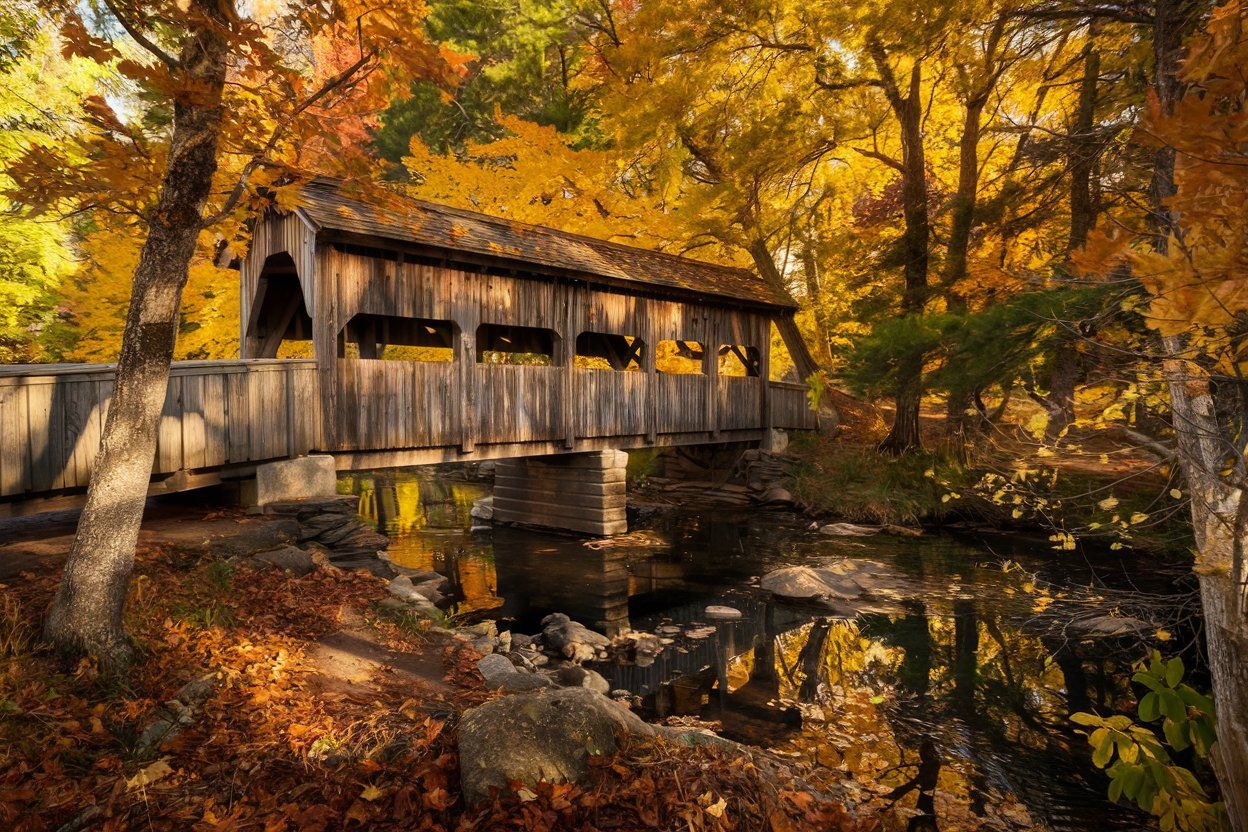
(227, 416)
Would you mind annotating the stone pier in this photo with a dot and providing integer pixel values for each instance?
(583, 492)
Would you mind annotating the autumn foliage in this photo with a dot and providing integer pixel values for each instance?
(278, 747)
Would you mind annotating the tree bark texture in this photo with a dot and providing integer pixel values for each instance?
(908, 109)
(799, 351)
(1066, 368)
(86, 614)
(1220, 524)
(962, 221)
(1219, 508)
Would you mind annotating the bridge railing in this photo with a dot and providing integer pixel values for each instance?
(216, 413)
(790, 408)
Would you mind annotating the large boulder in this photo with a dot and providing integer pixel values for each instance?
(499, 672)
(254, 537)
(483, 509)
(402, 589)
(575, 676)
(544, 736)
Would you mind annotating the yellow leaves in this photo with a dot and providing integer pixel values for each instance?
(371, 793)
(146, 776)
(712, 806)
(1038, 424)
(1063, 541)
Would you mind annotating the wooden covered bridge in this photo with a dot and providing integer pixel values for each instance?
(386, 331)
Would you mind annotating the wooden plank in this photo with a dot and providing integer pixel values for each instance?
(710, 366)
(566, 404)
(46, 420)
(238, 446)
(15, 450)
(78, 415)
(169, 430)
(763, 329)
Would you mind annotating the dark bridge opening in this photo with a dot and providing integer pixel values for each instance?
(279, 318)
(600, 351)
(499, 344)
(395, 338)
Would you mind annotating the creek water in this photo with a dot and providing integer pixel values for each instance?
(945, 703)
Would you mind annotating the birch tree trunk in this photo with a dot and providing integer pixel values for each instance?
(86, 614)
(1219, 508)
(1220, 523)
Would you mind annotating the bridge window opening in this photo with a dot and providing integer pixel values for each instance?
(781, 367)
(394, 338)
(528, 345)
(739, 361)
(280, 326)
(600, 351)
(679, 357)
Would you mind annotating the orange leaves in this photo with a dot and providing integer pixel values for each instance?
(1102, 253)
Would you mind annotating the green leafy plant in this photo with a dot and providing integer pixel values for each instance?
(816, 385)
(1139, 763)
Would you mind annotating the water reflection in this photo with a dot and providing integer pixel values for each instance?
(950, 711)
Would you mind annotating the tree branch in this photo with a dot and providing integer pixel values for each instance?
(257, 161)
(141, 39)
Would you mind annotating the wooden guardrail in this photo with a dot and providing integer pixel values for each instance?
(216, 413)
(220, 414)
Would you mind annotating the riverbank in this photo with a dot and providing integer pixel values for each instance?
(1084, 490)
(266, 699)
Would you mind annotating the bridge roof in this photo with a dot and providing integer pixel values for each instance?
(331, 206)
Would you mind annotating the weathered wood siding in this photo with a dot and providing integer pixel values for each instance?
(216, 414)
(504, 403)
(232, 413)
(790, 408)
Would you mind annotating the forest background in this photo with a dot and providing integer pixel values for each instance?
(1029, 210)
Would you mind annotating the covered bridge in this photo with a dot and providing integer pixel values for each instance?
(388, 331)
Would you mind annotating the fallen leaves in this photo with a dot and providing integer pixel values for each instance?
(150, 774)
(269, 751)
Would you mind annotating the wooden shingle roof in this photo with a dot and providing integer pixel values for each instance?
(330, 206)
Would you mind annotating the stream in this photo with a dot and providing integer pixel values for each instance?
(949, 696)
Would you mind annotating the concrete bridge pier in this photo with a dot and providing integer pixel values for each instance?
(583, 492)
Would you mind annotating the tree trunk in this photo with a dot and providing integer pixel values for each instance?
(904, 434)
(1084, 150)
(1220, 524)
(1064, 375)
(86, 614)
(1066, 368)
(1219, 508)
(810, 269)
(798, 350)
(960, 226)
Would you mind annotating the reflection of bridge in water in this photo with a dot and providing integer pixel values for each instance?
(952, 689)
